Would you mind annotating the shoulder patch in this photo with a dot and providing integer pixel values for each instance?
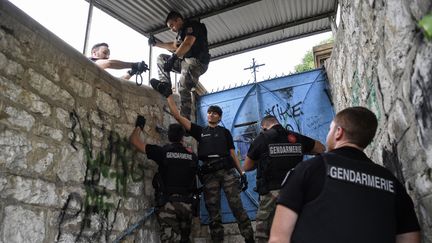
(292, 138)
(189, 30)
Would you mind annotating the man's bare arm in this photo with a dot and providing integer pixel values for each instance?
(176, 113)
(136, 141)
(185, 46)
(114, 64)
(170, 46)
(318, 148)
(236, 161)
(283, 225)
(410, 237)
(249, 164)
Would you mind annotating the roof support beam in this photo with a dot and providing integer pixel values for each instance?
(275, 28)
(88, 27)
(270, 44)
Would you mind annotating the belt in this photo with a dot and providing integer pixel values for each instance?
(214, 160)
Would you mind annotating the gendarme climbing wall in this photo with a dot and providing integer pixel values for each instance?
(382, 60)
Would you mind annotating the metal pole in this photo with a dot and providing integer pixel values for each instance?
(89, 18)
(150, 62)
(254, 69)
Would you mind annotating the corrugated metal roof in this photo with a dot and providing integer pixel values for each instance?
(233, 26)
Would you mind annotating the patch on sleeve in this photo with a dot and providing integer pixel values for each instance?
(286, 177)
(292, 138)
(189, 30)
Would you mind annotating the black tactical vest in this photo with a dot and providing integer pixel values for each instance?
(356, 205)
(280, 157)
(178, 170)
(213, 142)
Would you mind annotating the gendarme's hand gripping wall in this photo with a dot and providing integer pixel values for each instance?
(382, 60)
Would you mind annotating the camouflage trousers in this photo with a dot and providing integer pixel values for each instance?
(228, 180)
(190, 70)
(264, 216)
(175, 220)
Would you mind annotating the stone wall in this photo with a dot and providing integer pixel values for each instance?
(67, 171)
(382, 60)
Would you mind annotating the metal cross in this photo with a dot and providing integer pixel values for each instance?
(254, 68)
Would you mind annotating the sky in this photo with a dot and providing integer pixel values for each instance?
(68, 18)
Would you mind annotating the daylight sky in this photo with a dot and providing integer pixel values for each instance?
(67, 19)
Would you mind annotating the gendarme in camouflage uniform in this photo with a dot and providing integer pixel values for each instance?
(175, 220)
(175, 185)
(190, 69)
(216, 150)
(191, 62)
(175, 182)
(274, 152)
(228, 181)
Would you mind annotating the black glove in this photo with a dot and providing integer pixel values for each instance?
(142, 67)
(169, 64)
(151, 40)
(139, 67)
(243, 182)
(131, 72)
(140, 122)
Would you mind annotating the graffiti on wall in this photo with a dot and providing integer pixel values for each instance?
(244, 140)
(287, 115)
(116, 162)
(371, 100)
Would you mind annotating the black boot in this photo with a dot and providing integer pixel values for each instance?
(161, 87)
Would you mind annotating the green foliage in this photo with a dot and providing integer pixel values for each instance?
(426, 25)
(308, 59)
(329, 40)
(307, 63)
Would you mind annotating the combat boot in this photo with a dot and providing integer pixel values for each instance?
(161, 87)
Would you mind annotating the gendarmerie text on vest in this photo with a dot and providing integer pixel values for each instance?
(361, 178)
(285, 149)
(175, 155)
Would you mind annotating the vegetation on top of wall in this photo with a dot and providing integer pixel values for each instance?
(308, 59)
(426, 25)
(307, 63)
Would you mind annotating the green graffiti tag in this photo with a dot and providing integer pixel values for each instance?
(355, 101)
(371, 100)
(117, 161)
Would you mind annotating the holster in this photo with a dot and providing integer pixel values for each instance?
(158, 185)
(216, 164)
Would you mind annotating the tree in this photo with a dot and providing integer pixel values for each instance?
(307, 63)
(308, 59)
